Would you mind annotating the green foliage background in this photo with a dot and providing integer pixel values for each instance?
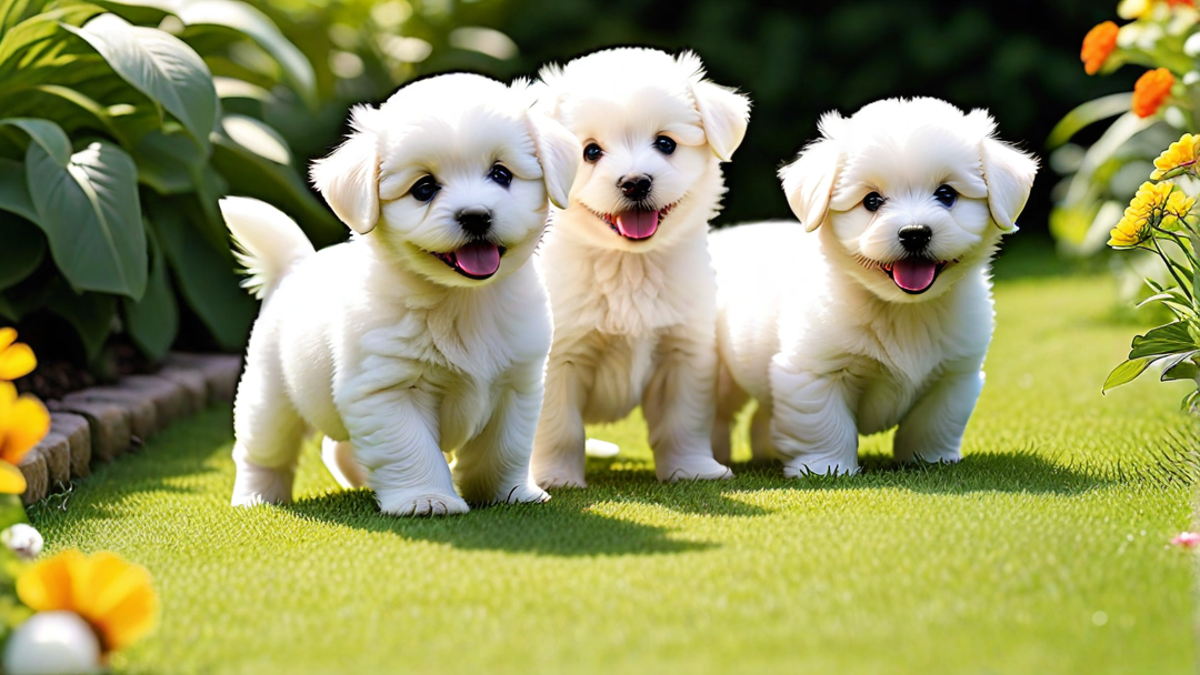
(795, 60)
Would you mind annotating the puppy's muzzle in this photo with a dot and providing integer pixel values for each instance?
(475, 221)
(635, 187)
(915, 238)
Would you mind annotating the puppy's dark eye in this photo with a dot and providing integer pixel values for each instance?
(501, 175)
(665, 145)
(946, 195)
(592, 153)
(425, 189)
(873, 201)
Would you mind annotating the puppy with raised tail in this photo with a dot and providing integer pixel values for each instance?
(425, 334)
(626, 262)
(877, 312)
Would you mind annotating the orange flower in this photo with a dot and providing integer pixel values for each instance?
(1097, 45)
(1151, 91)
(115, 597)
(1176, 3)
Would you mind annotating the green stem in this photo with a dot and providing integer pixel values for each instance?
(1171, 268)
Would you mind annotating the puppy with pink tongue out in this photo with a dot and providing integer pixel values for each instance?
(626, 262)
(877, 311)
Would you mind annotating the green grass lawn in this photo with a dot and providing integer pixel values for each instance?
(1044, 551)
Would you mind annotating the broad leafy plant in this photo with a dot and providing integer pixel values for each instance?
(116, 141)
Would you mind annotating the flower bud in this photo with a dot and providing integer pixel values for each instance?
(52, 643)
(23, 540)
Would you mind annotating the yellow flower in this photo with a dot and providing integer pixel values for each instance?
(23, 422)
(1181, 154)
(16, 359)
(1158, 205)
(1134, 9)
(115, 597)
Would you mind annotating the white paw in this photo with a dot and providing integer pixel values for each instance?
(701, 468)
(801, 466)
(550, 480)
(256, 485)
(953, 457)
(524, 494)
(429, 504)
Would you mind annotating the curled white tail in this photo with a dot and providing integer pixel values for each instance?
(268, 242)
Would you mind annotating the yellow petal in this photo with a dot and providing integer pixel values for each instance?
(7, 337)
(12, 481)
(46, 585)
(115, 597)
(16, 361)
(26, 422)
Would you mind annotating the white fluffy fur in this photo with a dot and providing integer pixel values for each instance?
(380, 345)
(634, 320)
(812, 327)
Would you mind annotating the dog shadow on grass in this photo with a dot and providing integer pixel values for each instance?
(616, 515)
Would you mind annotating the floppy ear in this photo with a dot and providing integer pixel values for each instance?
(808, 182)
(724, 114)
(1009, 174)
(558, 150)
(349, 177)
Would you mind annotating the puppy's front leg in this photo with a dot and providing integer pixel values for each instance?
(494, 466)
(395, 437)
(932, 430)
(812, 428)
(679, 403)
(558, 452)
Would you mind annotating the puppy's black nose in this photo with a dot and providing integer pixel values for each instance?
(475, 221)
(635, 186)
(914, 238)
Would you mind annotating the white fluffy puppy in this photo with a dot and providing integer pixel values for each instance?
(878, 312)
(626, 262)
(426, 333)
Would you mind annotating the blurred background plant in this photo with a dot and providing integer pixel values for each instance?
(1103, 166)
(286, 71)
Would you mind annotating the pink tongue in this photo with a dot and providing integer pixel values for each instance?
(637, 224)
(478, 259)
(914, 275)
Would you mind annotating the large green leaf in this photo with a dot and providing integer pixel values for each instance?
(91, 314)
(1180, 367)
(160, 66)
(253, 176)
(239, 16)
(1125, 373)
(1172, 338)
(14, 193)
(38, 38)
(45, 133)
(89, 210)
(13, 12)
(168, 162)
(153, 321)
(1087, 114)
(22, 252)
(205, 278)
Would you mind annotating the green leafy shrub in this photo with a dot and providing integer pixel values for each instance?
(116, 141)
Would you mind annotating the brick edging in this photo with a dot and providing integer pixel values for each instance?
(99, 424)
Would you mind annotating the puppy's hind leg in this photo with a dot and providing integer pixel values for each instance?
(558, 448)
(268, 433)
(339, 460)
(730, 400)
